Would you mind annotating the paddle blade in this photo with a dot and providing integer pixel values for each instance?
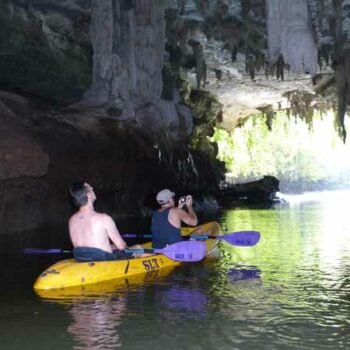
(242, 238)
(188, 251)
(44, 251)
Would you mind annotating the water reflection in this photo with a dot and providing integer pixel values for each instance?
(95, 323)
(236, 275)
(188, 299)
(304, 255)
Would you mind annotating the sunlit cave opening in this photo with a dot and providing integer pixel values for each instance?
(302, 156)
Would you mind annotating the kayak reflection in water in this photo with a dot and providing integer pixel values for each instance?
(95, 323)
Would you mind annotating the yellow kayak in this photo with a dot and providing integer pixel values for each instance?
(105, 288)
(70, 273)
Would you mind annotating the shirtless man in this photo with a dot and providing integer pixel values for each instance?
(91, 233)
(166, 221)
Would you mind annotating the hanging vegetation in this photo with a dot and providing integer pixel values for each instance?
(300, 158)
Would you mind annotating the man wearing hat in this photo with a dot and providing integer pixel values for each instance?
(166, 221)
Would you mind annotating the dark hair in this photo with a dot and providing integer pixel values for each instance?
(78, 192)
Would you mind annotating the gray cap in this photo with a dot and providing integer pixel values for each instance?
(164, 196)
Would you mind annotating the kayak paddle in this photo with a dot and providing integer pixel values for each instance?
(136, 235)
(239, 238)
(186, 251)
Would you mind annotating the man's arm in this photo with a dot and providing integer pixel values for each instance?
(113, 232)
(70, 230)
(189, 217)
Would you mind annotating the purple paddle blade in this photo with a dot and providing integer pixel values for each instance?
(242, 238)
(187, 251)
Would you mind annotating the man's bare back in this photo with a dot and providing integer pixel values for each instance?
(88, 228)
(95, 230)
(90, 231)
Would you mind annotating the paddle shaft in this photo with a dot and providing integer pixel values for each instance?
(185, 251)
(205, 237)
(240, 238)
(135, 235)
(33, 251)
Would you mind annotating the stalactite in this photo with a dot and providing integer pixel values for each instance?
(290, 34)
(301, 105)
(144, 10)
(346, 20)
(102, 42)
(342, 62)
(202, 6)
(317, 18)
(127, 38)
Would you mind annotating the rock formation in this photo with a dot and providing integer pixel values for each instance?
(290, 34)
(126, 93)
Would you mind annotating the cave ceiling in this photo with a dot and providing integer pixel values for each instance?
(253, 56)
(243, 59)
(242, 96)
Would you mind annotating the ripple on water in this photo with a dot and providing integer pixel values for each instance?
(306, 331)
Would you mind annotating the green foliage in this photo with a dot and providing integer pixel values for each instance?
(292, 152)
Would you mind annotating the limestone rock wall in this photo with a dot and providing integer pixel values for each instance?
(20, 155)
(290, 34)
(45, 48)
(42, 151)
(106, 53)
(346, 20)
(99, 90)
(128, 44)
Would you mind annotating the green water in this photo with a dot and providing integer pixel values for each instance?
(291, 291)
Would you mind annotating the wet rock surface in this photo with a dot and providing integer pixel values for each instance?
(44, 150)
(262, 192)
(126, 95)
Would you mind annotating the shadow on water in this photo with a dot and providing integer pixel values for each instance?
(236, 275)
